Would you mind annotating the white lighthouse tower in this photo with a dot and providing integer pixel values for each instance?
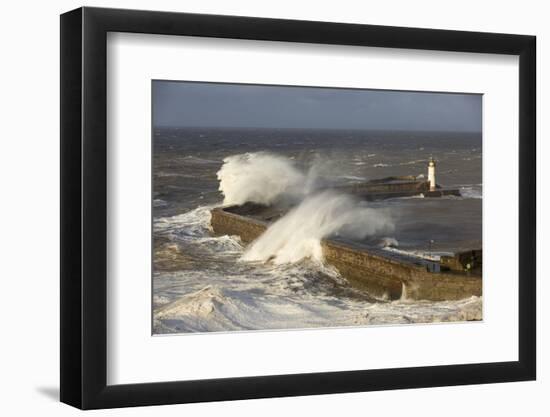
(431, 174)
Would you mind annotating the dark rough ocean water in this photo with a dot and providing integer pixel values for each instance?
(200, 283)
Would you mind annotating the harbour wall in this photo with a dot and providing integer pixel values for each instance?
(379, 190)
(388, 187)
(381, 276)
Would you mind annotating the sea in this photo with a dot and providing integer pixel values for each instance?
(207, 283)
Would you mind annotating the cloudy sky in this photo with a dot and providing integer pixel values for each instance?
(195, 104)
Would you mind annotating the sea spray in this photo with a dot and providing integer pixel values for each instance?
(267, 178)
(259, 178)
(298, 234)
(388, 242)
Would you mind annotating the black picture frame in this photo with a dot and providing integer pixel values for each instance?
(84, 207)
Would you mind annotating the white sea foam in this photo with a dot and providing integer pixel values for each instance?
(260, 178)
(222, 294)
(471, 192)
(412, 197)
(298, 234)
(216, 292)
(192, 223)
(428, 255)
(389, 242)
(267, 178)
(157, 202)
(417, 161)
(353, 178)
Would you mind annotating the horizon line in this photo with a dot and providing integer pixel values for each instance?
(314, 128)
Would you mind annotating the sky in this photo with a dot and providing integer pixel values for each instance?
(197, 104)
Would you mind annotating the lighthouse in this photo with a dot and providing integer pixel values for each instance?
(431, 174)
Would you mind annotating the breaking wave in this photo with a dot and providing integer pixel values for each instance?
(216, 293)
(213, 283)
(298, 234)
(270, 179)
(260, 178)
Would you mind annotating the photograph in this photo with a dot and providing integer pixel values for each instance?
(245, 208)
(295, 207)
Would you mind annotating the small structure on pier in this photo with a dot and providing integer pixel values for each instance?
(401, 186)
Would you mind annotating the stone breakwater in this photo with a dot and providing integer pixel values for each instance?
(382, 274)
(393, 187)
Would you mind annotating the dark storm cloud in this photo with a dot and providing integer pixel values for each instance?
(236, 105)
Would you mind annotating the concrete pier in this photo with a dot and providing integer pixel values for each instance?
(394, 187)
(383, 274)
